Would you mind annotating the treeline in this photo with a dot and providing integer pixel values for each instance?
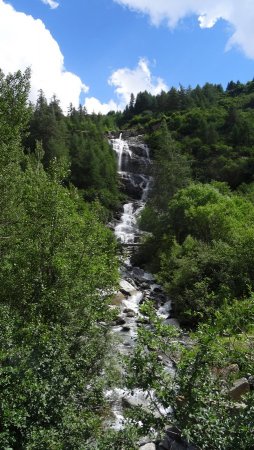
(188, 98)
(79, 141)
(58, 271)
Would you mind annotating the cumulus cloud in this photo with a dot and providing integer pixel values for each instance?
(51, 3)
(240, 14)
(93, 105)
(126, 81)
(25, 42)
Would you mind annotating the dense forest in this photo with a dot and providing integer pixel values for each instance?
(59, 267)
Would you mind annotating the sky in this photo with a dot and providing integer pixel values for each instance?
(98, 52)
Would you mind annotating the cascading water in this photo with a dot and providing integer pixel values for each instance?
(133, 162)
(136, 284)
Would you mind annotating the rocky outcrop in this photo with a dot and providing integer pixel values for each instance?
(240, 388)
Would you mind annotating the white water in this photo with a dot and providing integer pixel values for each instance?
(121, 147)
(127, 232)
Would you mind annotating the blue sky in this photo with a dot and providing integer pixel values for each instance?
(115, 47)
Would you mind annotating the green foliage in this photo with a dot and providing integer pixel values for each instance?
(210, 259)
(198, 393)
(93, 163)
(15, 114)
(58, 271)
(206, 412)
(48, 126)
(170, 168)
(77, 140)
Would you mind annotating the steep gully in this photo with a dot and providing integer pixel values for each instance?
(136, 285)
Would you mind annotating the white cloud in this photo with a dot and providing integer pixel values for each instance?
(51, 3)
(127, 81)
(25, 42)
(240, 14)
(93, 105)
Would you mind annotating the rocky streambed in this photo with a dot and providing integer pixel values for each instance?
(136, 285)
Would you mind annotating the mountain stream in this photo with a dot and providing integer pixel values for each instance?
(136, 285)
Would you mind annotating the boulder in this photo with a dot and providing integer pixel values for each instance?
(240, 388)
(149, 446)
(126, 288)
(117, 299)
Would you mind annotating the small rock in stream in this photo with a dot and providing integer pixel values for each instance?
(120, 320)
(131, 314)
(125, 328)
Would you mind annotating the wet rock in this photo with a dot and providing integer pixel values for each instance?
(240, 388)
(145, 286)
(126, 328)
(118, 298)
(131, 314)
(120, 320)
(156, 288)
(126, 288)
(128, 310)
(138, 273)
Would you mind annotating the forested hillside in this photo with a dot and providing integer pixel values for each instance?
(199, 240)
(59, 268)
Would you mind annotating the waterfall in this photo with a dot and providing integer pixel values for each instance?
(136, 285)
(133, 164)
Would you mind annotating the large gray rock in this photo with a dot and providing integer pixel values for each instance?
(150, 446)
(126, 287)
(240, 388)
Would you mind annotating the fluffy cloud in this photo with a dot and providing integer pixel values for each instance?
(92, 104)
(126, 81)
(25, 42)
(51, 3)
(240, 14)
